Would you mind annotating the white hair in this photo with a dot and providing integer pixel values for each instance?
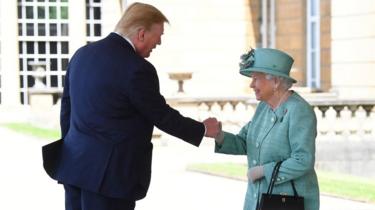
(284, 82)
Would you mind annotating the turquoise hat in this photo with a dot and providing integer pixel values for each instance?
(268, 61)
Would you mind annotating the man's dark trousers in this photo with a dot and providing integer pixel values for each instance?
(79, 199)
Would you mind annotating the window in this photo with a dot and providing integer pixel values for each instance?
(93, 20)
(268, 23)
(313, 43)
(43, 38)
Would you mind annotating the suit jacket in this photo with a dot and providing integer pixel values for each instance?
(286, 134)
(110, 104)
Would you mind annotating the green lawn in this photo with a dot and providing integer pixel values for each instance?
(347, 186)
(340, 185)
(32, 130)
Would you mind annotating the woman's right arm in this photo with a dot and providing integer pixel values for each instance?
(229, 143)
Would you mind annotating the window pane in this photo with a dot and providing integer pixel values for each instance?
(88, 30)
(314, 9)
(30, 47)
(19, 29)
(41, 47)
(64, 47)
(64, 12)
(41, 13)
(21, 83)
(30, 81)
(313, 35)
(19, 10)
(29, 12)
(53, 64)
(20, 49)
(53, 47)
(41, 29)
(54, 82)
(97, 1)
(87, 12)
(97, 30)
(97, 13)
(21, 64)
(52, 13)
(64, 63)
(53, 29)
(313, 66)
(22, 96)
(64, 29)
(30, 29)
(29, 67)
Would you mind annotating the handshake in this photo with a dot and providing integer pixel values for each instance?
(213, 127)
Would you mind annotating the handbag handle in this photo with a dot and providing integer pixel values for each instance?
(273, 180)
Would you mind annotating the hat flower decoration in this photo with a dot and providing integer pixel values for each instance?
(247, 59)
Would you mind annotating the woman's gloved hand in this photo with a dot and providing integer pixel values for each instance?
(255, 173)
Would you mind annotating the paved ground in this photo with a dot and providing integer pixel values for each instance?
(25, 186)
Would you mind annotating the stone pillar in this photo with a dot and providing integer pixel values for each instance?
(353, 44)
(77, 25)
(10, 81)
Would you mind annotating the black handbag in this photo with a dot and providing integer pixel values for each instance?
(269, 201)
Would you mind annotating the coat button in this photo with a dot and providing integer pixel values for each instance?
(257, 145)
(254, 162)
(272, 119)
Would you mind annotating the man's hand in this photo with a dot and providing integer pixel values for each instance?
(213, 127)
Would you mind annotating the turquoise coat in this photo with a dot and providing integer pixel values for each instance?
(287, 133)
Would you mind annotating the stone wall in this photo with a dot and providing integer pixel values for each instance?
(353, 44)
(355, 157)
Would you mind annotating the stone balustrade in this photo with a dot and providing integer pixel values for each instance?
(337, 118)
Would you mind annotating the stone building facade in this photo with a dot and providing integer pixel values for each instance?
(332, 42)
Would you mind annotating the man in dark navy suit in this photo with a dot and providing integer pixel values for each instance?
(110, 105)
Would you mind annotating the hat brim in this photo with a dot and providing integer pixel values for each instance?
(247, 72)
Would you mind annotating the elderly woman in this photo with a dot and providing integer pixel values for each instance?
(283, 128)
